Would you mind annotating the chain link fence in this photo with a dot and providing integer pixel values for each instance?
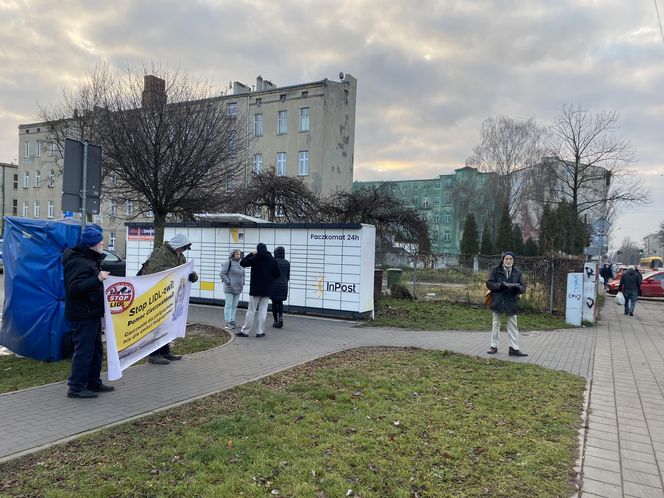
(465, 282)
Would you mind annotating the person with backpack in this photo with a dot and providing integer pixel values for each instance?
(232, 275)
(280, 287)
(167, 256)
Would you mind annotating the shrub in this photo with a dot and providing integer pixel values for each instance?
(399, 291)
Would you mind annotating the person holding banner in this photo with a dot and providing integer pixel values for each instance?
(264, 271)
(84, 308)
(232, 275)
(169, 255)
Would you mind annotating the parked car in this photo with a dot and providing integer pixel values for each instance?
(114, 264)
(651, 286)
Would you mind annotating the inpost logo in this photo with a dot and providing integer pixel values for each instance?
(340, 287)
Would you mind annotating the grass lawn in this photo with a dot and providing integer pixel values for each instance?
(380, 422)
(437, 315)
(21, 373)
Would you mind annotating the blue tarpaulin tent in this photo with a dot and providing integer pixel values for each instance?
(33, 321)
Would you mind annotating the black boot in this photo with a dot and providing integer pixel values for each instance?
(281, 322)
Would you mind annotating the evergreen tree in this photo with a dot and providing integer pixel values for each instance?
(486, 247)
(517, 240)
(547, 230)
(530, 247)
(470, 243)
(504, 241)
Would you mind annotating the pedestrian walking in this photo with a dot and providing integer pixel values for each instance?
(169, 255)
(607, 274)
(84, 308)
(630, 285)
(264, 270)
(280, 287)
(505, 283)
(232, 275)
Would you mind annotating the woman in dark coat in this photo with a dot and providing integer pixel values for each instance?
(505, 283)
(280, 287)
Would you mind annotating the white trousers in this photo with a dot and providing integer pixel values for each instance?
(512, 331)
(254, 303)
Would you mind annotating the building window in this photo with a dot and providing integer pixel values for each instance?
(111, 240)
(232, 143)
(305, 94)
(279, 211)
(15, 181)
(303, 164)
(114, 178)
(113, 209)
(304, 119)
(35, 210)
(448, 182)
(258, 163)
(259, 101)
(37, 179)
(425, 203)
(51, 208)
(51, 178)
(446, 199)
(446, 236)
(14, 207)
(346, 96)
(52, 149)
(26, 149)
(38, 150)
(281, 163)
(282, 97)
(282, 124)
(436, 219)
(130, 208)
(258, 125)
(26, 179)
(25, 209)
(232, 110)
(448, 217)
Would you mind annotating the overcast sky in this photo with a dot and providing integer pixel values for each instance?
(429, 72)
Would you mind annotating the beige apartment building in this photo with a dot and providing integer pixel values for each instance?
(305, 130)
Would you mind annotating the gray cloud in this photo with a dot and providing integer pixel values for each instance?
(428, 72)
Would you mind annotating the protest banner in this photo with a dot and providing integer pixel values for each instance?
(143, 314)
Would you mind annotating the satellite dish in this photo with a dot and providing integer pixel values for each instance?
(341, 75)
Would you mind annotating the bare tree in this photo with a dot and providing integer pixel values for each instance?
(509, 147)
(590, 165)
(276, 197)
(169, 145)
(394, 220)
(660, 234)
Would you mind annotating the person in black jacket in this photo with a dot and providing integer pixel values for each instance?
(505, 283)
(264, 270)
(280, 287)
(84, 308)
(630, 285)
(607, 275)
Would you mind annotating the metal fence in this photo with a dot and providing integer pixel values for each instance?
(545, 277)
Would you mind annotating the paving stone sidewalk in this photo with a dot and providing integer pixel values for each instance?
(625, 440)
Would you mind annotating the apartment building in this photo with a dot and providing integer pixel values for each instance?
(305, 130)
(437, 201)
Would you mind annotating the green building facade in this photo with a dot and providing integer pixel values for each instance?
(444, 203)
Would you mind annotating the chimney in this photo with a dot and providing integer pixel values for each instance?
(154, 91)
(259, 83)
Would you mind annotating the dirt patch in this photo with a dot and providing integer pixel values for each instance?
(202, 330)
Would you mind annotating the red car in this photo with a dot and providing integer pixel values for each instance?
(651, 286)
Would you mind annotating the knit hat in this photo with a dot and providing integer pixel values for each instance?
(178, 241)
(507, 253)
(91, 237)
